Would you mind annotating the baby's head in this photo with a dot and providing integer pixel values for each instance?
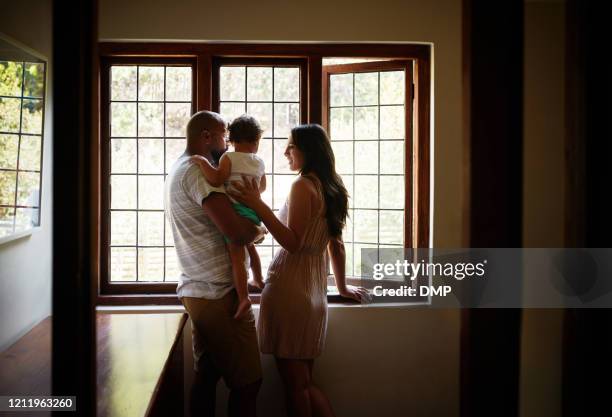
(245, 131)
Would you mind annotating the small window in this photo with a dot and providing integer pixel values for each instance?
(148, 105)
(272, 91)
(368, 113)
(22, 104)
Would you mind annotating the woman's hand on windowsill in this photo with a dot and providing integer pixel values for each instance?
(356, 293)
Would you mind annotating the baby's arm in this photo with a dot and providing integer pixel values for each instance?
(215, 176)
(262, 184)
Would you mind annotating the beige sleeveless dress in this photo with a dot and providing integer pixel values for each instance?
(293, 311)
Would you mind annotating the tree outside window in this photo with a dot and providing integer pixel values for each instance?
(22, 102)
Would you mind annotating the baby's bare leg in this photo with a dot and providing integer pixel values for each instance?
(237, 255)
(255, 266)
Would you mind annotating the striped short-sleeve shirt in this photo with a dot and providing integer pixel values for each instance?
(202, 256)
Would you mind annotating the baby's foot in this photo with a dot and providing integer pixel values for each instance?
(243, 307)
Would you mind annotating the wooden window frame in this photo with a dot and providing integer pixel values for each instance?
(106, 287)
(208, 56)
(302, 64)
(409, 133)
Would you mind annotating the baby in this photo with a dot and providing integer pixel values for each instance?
(244, 135)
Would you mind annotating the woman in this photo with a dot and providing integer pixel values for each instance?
(293, 313)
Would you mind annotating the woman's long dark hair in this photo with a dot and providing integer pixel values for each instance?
(313, 142)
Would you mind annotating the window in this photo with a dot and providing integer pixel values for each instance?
(368, 113)
(147, 107)
(272, 91)
(372, 108)
(22, 103)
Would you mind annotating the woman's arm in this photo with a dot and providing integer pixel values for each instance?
(215, 176)
(262, 184)
(300, 211)
(337, 254)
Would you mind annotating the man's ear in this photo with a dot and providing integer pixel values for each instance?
(205, 136)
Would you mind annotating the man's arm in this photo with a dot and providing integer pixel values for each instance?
(237, 228)
(215, 176)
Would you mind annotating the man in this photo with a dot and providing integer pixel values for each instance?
(200, 215)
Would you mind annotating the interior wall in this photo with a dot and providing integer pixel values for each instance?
(371, 337)
(544, 128)
(25, 275)
(383, 348)
(369, 367)
(438, 22)
(543, 204)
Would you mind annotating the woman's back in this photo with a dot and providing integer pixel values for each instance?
(293, 316)
(315, 238)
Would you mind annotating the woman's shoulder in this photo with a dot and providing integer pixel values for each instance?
(305, 184)
(304, 181)
(312, 180)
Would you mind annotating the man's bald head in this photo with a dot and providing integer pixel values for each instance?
(203, 120)
(206, 131)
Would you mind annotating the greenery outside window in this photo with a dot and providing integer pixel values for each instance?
(22, 103)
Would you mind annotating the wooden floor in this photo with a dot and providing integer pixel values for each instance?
(139, 364)
(25, 367)
(134, 353)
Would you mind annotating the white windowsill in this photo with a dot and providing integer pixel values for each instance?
(180, 309)
(19, 235)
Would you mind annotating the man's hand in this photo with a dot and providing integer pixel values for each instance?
(238, 229)
(261, 235)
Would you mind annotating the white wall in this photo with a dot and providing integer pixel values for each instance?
(25, 264)
(374, 364)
